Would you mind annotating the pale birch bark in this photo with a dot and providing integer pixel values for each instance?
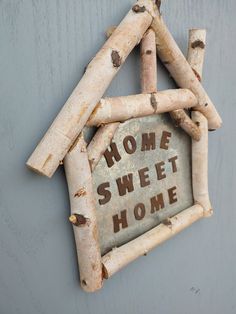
(181, 71)
(97, 77)
(120, 257)
(196, 50)
(148, 63)
(181, 119)
(83, 216)
(200, 165)
(100, 142)
(126, 107)
(195, 58)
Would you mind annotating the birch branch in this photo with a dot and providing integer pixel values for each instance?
(181, 119)
(200, 165)
(83, 216)
(195, 58)
(97, 77)
(120, 257)
(123, 108)
(196, 50)
(148, 63)
(181, 71)
(100, 142)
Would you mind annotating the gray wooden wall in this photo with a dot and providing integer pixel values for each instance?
(44, 46)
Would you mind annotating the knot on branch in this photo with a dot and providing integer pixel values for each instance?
(167, 222)
(78, 220)
(116, 59)
(153, 102)
(137, 9)
(80, 192)
(198, 43)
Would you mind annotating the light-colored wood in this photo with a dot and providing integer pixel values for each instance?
(181, 119)
(199, 149)
(195, 59)
(200, 165)
(100, 142)
(148, 63)
(120, 257)
(125, 107)
(97, 77)
(181, 71)
(196, 50)
(83, 216)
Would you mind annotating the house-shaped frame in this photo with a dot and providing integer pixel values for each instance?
(86, 107)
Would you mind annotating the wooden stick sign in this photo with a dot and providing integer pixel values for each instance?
(140, 180)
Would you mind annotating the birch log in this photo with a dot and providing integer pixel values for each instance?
(97, 77)
(140, 105)
(181, 71)
(196, 49)
(195, 58)
(120, 257)
(100, 142)
(181, 119)
(200, 165)
(148, 63)
(83, 216)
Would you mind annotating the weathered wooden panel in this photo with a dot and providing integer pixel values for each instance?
(143, 178)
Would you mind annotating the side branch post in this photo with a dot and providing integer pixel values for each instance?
(148, 62)
(83, 216)
(196, 48)
(200, 165)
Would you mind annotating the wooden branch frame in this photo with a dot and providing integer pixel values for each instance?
(94, 267)
(83, 215)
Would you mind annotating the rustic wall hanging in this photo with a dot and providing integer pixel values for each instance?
(141, 179)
